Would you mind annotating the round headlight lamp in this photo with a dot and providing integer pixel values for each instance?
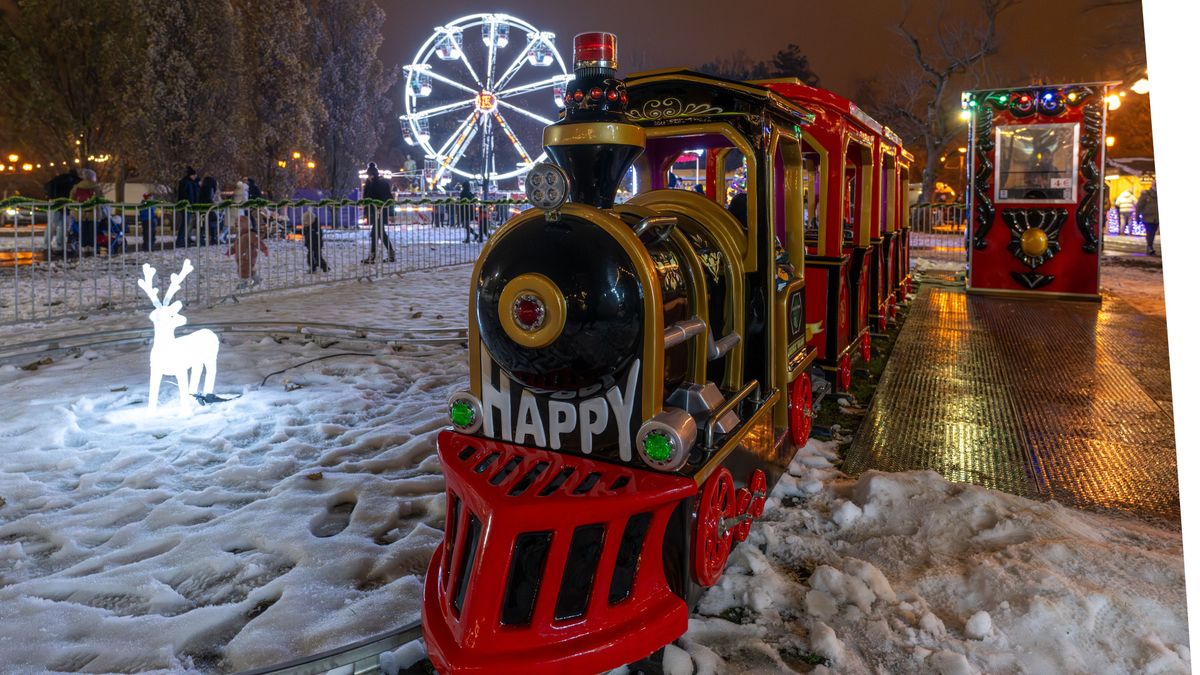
(547, 186)
(665, 440)
(465, 412)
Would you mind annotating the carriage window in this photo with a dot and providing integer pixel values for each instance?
(1036, 163)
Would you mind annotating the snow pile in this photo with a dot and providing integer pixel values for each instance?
(297, 518)
(910, 573)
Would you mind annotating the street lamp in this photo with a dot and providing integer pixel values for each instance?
(1142, 87)
(296, 154)
(13, 157)
(1110, 141)
(312, 165)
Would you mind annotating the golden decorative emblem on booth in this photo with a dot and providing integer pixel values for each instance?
(1034, 242)
(532, 310)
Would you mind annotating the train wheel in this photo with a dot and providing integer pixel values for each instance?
(866, 347)
(715, 510)
(800, 407)
(758, 492)
(843, 373)
(741, 530)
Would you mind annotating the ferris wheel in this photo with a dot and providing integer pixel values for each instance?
(463, 91)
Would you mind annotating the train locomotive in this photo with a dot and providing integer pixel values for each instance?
(641, 374)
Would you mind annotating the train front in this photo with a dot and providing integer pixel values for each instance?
(561, 460)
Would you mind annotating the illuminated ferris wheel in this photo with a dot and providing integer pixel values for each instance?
(477, 79)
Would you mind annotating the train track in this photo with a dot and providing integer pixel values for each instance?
(310, 330)
(362, 657)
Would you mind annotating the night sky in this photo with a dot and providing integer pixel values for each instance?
(845, 41)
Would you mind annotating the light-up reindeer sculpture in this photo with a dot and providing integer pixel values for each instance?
(182, 357)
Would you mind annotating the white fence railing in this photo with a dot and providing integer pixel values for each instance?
(63, 259)
(939, 232)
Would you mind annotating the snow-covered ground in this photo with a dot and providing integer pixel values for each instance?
(908, 573)
(294, 519)
(301, 517)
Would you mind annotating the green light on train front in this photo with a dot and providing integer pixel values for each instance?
(658, 446)
(462, 413)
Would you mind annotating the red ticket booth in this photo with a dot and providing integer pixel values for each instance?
(1036, 197)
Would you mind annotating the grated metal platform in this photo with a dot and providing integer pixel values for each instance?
(1059, 400)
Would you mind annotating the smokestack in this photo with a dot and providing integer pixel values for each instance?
(594, 142)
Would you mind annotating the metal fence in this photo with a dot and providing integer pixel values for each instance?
(61, 259)
(939, 233)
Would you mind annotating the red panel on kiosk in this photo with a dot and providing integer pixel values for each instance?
(1036, 199)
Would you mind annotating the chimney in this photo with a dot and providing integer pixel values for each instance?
(594, 142)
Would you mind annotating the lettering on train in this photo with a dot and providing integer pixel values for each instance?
(518, 415)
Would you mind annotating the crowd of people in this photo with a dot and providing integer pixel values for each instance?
(74, 231)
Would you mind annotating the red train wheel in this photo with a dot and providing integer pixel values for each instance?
(800, 409)
(758, 492)
(710, 549)
(745, 500)
(866, 347)
(843, 373)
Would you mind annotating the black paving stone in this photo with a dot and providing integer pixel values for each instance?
(1047, 399)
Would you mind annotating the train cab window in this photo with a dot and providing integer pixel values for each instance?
(1037, 163)
(812, 193)
(790, 193)
(887, 199)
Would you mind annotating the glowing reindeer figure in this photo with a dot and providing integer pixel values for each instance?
(177, 356)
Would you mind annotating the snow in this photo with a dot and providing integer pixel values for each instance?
(297, 518)
(939, 577)
(302, 515)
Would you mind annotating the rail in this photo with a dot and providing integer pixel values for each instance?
(61, 259)
(362, 658)
(710, 430)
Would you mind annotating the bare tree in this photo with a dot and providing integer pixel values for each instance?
(917, 103)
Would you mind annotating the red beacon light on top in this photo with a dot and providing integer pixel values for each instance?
(596, 50)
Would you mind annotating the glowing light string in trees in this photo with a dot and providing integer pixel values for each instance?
(184, 357)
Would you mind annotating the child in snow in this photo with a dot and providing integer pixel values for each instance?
(313, 242)
(246, 246)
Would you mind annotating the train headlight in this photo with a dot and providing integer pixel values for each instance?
(466, 413)
(665, 440)
(547, 186)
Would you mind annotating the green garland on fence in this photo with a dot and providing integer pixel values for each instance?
(60, 203)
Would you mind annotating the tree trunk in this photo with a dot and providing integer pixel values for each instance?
(119, 191)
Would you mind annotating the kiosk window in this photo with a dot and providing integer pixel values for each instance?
(1037, 163)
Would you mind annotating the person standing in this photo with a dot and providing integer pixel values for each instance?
(313, 242)
(58, 187)
(89, 220)
(188, 192)
(464, 212)
(378, 188)
(148, 217)
(410, 174)
(210, 194)
(1147, 208)
(245, 246)
(1125, 204)
(253, 192)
